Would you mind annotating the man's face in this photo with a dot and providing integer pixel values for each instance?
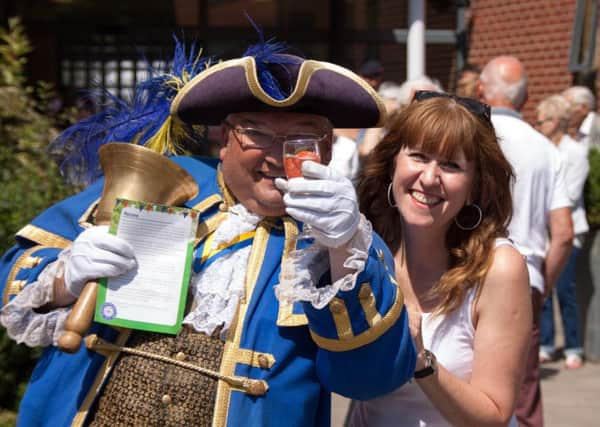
(250, 172)
(546, 125)
(578, 113)
(466, 86)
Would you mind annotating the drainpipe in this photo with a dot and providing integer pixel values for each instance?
(415, 42)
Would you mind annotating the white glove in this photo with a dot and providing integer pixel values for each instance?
(325, 201)
(94, 254)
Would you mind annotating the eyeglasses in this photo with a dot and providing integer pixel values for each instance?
(480, 109)
(263, 139)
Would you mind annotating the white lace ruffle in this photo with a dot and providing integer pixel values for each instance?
(218, 289)
(302, 270)
(22, 323)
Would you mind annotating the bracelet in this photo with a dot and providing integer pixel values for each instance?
(430, 365)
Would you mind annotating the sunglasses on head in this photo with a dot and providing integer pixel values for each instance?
(479, 109)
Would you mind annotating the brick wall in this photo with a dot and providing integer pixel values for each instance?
(538, 32)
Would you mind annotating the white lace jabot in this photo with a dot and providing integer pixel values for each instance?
(218, 288)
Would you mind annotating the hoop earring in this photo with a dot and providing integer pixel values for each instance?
(479, 218)
(389, 196)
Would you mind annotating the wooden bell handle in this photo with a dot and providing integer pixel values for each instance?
(79, 319)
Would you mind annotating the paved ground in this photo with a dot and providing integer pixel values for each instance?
(571, 397)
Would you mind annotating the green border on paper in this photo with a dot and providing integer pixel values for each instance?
(148, 326)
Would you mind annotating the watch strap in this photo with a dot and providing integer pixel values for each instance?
(425, 372)
(430, 361)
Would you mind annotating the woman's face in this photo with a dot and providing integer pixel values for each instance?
(429, 189)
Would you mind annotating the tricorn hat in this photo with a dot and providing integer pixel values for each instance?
(280, 83)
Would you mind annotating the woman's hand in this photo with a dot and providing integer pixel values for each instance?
(415, 319)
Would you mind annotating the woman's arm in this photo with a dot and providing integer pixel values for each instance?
(503, 323)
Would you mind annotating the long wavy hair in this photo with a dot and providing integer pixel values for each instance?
(444, 126)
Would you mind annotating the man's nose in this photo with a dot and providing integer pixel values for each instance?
(275, 153)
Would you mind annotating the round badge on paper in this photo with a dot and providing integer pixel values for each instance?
(108, 311)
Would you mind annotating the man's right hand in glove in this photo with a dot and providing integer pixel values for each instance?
(94, 254)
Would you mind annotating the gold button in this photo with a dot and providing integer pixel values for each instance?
(166, 399)
(263, 361)
(223, 207)
(180, 356)
(364, 292)
(336, 306)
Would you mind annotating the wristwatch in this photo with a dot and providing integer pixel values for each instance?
(430, 365)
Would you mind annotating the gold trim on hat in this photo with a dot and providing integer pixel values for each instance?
(307, 69)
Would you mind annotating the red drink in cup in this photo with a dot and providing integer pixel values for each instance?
(295, 152)
(293, 163)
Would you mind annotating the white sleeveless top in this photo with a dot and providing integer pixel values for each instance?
(450, 338)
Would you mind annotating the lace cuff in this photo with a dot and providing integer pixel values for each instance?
(23, 324)
(302, 270)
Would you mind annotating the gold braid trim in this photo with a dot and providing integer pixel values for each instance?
(367, 336)
(207, 227)
(367, 302)
(285, 315)
(43, 237)
(227, 196)
(341, 318)
(105, 369)
(207, 203)
(255, 359)
(12, 286)
(234, 336)
(248, 385)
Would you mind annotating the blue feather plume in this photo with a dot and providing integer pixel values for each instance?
(267, 53)
(136, 120)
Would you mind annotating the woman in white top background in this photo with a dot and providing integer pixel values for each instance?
(437, 188)
(553, 114)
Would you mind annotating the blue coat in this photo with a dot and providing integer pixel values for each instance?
(358, 346)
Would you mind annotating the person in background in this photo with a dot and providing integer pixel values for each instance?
(437, 189)
(344, 154)
(466, 82)
(398, 98)
(584, 125)
(541, 225)
(372, 72)
(553, 115)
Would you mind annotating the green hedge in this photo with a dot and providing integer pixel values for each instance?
(592, 189)
(29, 180)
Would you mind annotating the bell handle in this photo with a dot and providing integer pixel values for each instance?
(79, 319)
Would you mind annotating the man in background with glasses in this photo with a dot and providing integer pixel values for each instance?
(274, 322)
(541, 225)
